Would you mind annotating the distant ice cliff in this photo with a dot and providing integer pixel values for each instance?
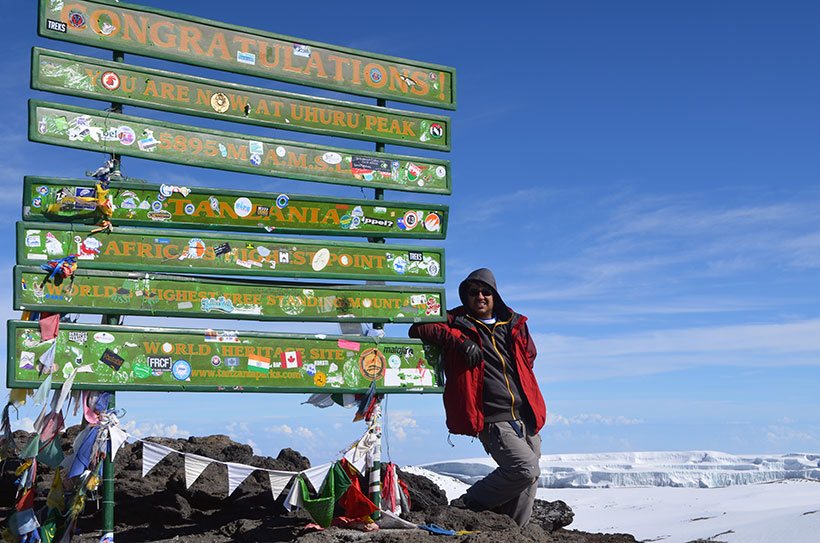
(704, 469)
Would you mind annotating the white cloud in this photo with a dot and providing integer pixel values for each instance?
(564, 357)
(592, 418)
(399, 423)
(288, 430)
(155, 429)
(26, 424)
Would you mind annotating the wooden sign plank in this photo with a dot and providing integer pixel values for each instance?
(137, 203)
(206, 253)
(92, 130)
(124, 293)
(181, 38)
(90, 77)
(196, 360)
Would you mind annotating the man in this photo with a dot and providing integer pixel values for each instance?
(491, 392)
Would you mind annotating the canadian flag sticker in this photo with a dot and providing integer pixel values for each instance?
(291, 359)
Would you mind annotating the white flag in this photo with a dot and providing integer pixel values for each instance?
(294, 499)
(236, 474)
(152, 453)
(317, 475)
(194, 466)
(118, 437)
(279, 480)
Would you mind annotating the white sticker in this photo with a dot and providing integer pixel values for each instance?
(27, 360)
(33, 238)
(441, 171)
(245, 58)
(418, 299)
(185, 305)
(256, 147)
(332, 158)
(167, 348)
(243, 206)
(320, 259)
(281, 151)
(53, 245)
(103, 337)
(300, 50)
(36, 256)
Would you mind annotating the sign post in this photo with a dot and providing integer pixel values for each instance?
(128, 240)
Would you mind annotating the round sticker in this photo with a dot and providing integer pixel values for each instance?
(320, 379)
(110, 81)
(42, 190)
(181, 370)
(142, 370)
(375, 75)
(441, 171)
(166, 190)
(156, 205)
(344, 260)
(432, 268)
(400, 265)
(281, 151)
(344, 221)
(320, 259)
(243, 206)
(189, 209)
(432, 222)
(167, 348)
(332, 158)
(264, 252)
(196, 248)
(367, 302)
(282, 201)
(103, 337)
(126, 135)
(37, 202)
(220, 102)
(436, 130)
(372, 364)
(410, 220)
(394, 361)
(216, 361)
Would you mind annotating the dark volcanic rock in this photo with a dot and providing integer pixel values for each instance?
(551, 515)
(424, 493)
(158, 508)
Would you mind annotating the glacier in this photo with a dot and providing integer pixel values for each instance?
(689, 469)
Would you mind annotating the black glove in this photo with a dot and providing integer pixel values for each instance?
(472, 352)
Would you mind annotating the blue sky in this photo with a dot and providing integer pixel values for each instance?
(643, 177)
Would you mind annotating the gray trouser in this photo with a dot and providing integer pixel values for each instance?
(510, 488)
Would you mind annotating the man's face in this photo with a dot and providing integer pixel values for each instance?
(480, 300)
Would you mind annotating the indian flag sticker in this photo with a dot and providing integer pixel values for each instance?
(258, 363)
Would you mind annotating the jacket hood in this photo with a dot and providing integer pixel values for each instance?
(485, 275)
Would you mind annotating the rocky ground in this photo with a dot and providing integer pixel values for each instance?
(158, 508)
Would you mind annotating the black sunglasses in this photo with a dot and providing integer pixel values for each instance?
(476, 291)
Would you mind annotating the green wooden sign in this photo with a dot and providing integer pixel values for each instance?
(171, 36)
(123, 293)
(93, 130)
(196, 360)
(133, 85)
(137, 203)
(167, 250)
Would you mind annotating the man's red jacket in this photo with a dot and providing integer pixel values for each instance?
(464, 386)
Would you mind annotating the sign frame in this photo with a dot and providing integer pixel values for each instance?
(190, 91)
(276, 158)
(221, 303)
(271, 200)
(208, 265)
(294, 51)
(13, 366)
